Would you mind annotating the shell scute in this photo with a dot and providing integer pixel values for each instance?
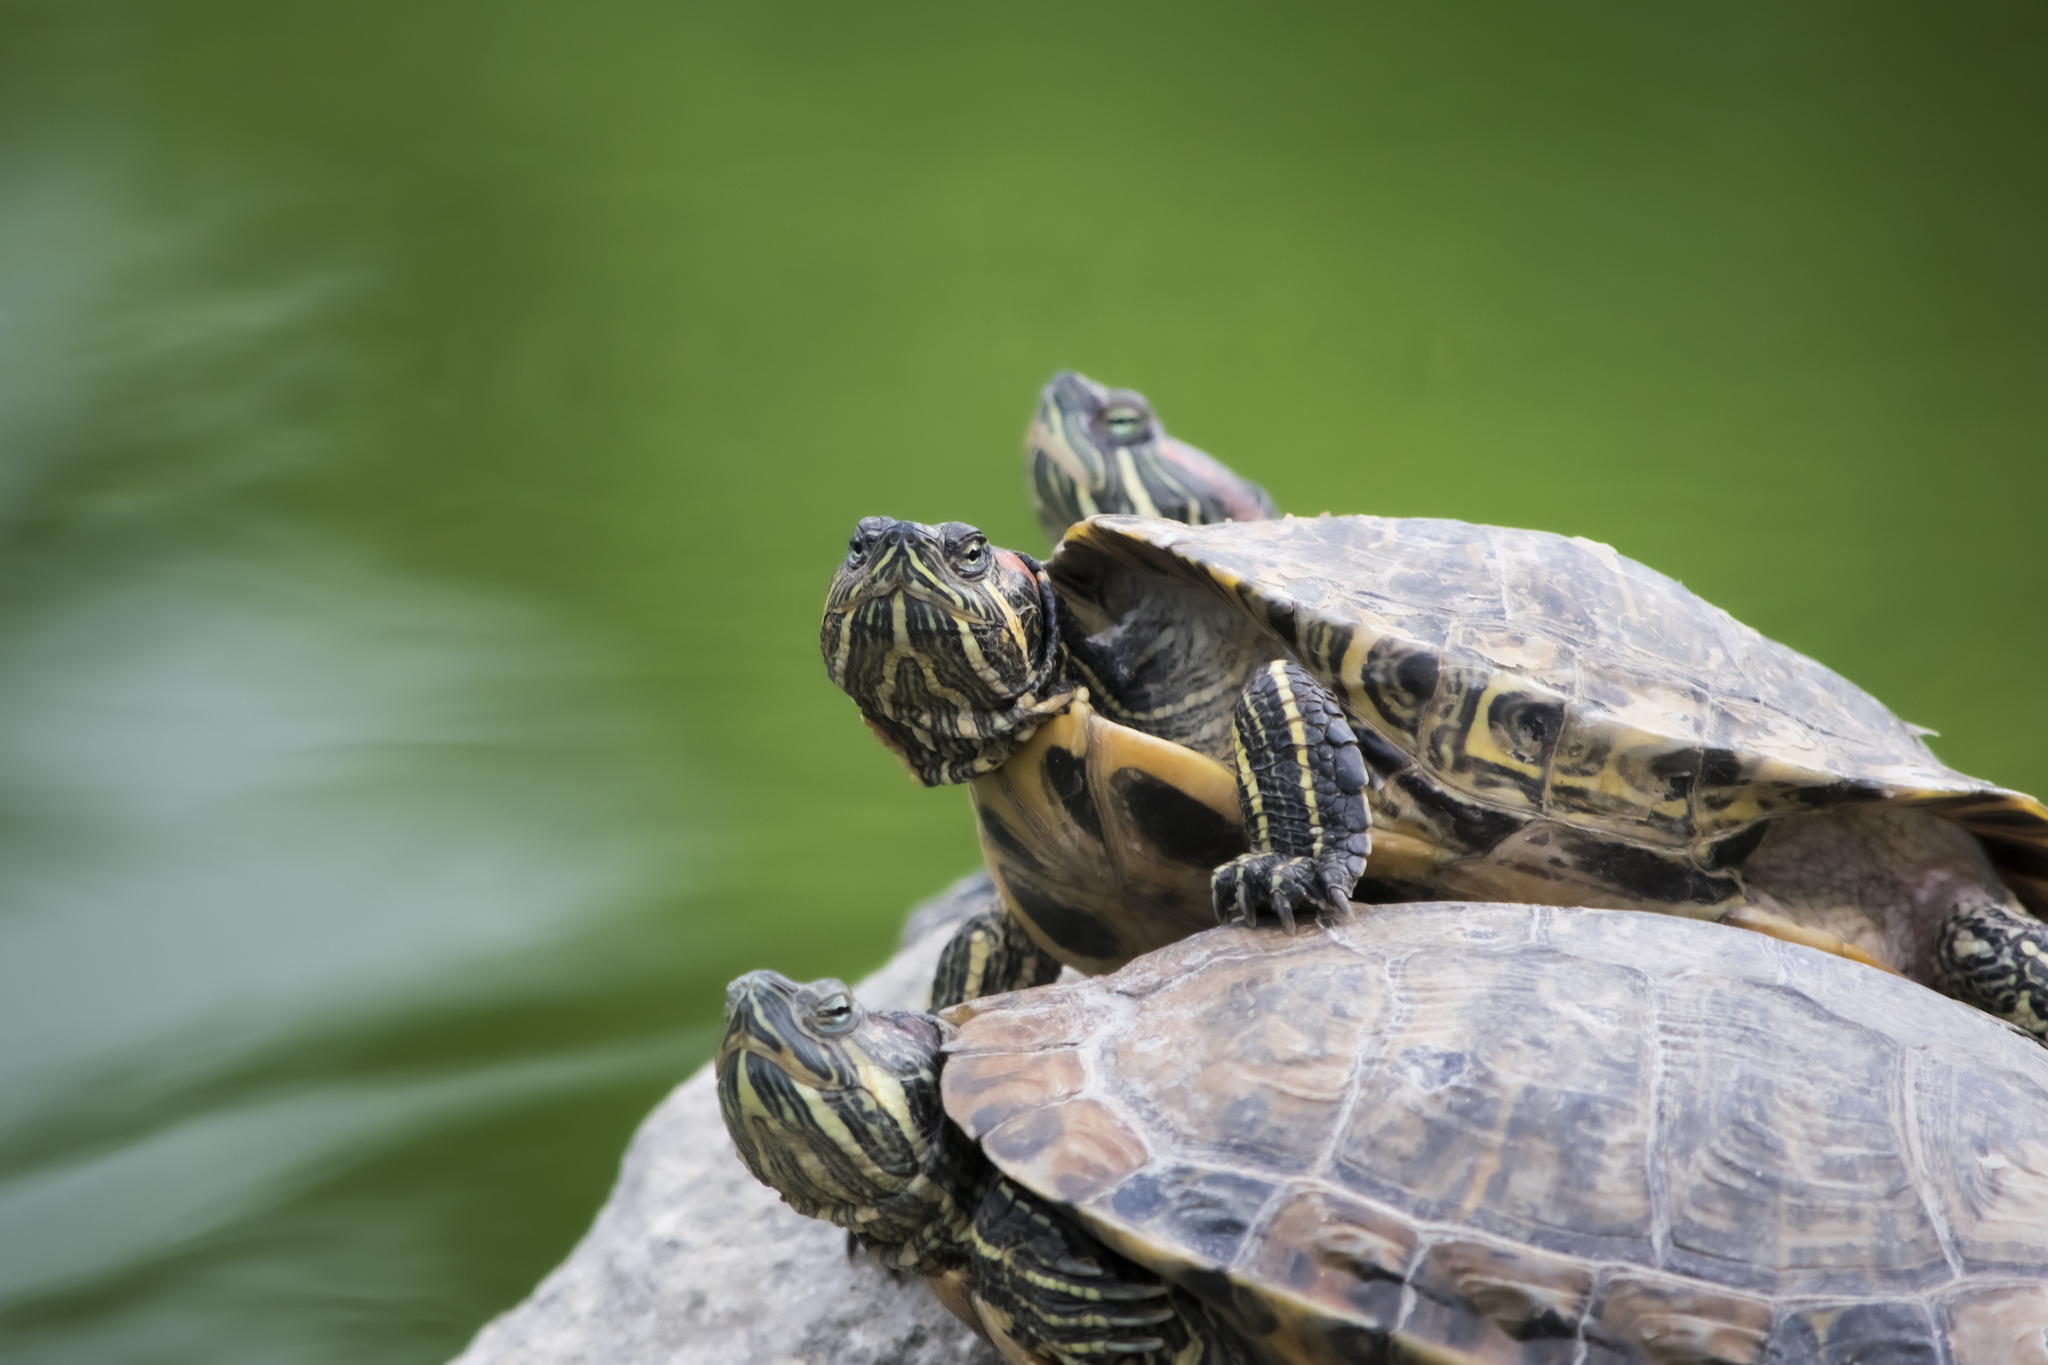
(1252, 1071)
(1895, 1331)
(1192, 1213)
(1489, 731)
(1394, 681)
(1990, 1175)
(1497, 1303)
(1151, 973)
(1056, 1016)
(1380, 932)
(1791, 1174)
(2006, 1323)
(1646, 1319)
(1630, 755)
(1639, 941)
(1070, 1151)
(995, 1087)
(1344, 1256)
(1441, 1127)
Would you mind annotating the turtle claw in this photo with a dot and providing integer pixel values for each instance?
(1259, 886)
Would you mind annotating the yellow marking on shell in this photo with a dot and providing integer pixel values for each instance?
(1611, 785)
(1298, 733)
(1478, 739)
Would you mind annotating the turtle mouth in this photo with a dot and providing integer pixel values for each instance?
(772, 1052)
(907, 590)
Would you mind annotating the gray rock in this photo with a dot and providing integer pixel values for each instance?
(692, 1260)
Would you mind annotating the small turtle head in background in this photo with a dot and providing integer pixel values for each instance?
(1093, 449)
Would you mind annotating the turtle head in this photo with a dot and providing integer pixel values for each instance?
(1093, 449)
(833, 1106)
(948, 644)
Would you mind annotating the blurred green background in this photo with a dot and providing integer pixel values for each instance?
(426, 431)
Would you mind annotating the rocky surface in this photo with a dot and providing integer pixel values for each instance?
(691, 1260)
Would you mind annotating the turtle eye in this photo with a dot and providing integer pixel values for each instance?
(834, 1013)
(972, 558)
(1125, 421)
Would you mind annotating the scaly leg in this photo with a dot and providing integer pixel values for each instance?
(1301, 783)
(990, 953)
(1997, 959)
(1047, 1290)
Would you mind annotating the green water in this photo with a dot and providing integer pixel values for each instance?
(426, 431)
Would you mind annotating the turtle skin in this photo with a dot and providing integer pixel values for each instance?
(1465, 1133)
(1091, 448)
(1544, 721)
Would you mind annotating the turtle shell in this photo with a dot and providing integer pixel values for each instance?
(1505, 677)
(1524, 1134)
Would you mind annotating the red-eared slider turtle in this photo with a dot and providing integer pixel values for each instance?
(1171, 723)
(1442, 1133)
(1093, 449)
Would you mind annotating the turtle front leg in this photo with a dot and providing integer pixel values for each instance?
(1996, 959)
(1301, 784)
(989, 954)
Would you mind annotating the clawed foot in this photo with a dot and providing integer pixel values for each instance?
(1257, 886)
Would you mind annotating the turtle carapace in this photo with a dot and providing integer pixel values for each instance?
(1464, 1134)
(1168, 724)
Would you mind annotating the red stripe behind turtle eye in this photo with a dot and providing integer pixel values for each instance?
(1010, 560)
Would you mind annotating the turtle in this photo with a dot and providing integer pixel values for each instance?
(1171, 723)
(1091, 448)
(1453, 1133)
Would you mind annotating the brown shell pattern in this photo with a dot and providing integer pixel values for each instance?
(1546, 675)
(1522, 1134)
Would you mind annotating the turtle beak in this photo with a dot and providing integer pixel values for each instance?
(741, 995)
(756, 1006)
